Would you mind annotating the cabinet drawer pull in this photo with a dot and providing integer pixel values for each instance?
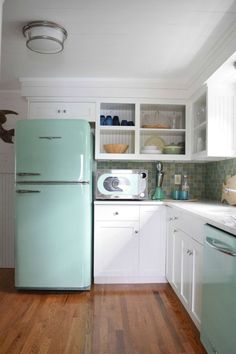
(58, 111)
(175, 217)
(64, 110)
(116, 213)
(136, 231)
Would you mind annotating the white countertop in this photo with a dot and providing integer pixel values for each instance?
(216, 214)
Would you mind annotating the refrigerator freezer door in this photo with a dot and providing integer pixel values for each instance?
(53, 236)
(53, 150)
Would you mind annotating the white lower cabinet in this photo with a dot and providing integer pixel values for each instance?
(152, 243)
(184, 263)
(116, 247)
(129, 251)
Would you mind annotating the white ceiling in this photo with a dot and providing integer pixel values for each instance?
(165, 40)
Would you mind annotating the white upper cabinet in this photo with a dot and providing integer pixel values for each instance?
(152, 131)
(62, 109)
(1, 4)
(213, 123)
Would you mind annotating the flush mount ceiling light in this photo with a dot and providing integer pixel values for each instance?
(44, 37)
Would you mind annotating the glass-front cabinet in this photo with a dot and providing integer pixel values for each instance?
(200, 125)
(141, 131)
(213, 122)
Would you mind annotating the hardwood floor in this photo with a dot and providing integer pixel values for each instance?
(110, 319)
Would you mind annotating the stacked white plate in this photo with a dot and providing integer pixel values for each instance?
(150, 149)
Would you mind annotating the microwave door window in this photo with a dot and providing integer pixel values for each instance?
(111, 184)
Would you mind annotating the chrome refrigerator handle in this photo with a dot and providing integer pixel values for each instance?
(83, 182)
(23, 191)
(220, 246)
(28, 174)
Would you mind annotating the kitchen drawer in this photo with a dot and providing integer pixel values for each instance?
(116, 212)
(190, 224)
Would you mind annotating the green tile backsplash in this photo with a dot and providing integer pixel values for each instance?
(196, 173)
(205, 179)
(215, 175)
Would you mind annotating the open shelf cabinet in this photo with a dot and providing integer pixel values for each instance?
(151, 124)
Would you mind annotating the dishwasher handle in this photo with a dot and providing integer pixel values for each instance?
(220, 246)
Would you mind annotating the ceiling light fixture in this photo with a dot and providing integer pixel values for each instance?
(44, 37)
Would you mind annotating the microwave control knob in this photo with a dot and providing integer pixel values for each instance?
(141, 195)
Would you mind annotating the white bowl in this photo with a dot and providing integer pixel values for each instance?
(155, 151)
(150, 147)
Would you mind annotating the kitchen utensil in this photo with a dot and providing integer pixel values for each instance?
(131, 123)
(155, 151)
(102, 119)
(229, 191)
(116, 148)
(150, 147)
(183, 195)
(115, 120)
(159, 193)
(108, 120)
(155, 140)
(175, 194)
(172, 149)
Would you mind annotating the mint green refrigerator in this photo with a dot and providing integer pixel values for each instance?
(53, 204)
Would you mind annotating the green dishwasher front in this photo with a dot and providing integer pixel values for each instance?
(218, 328)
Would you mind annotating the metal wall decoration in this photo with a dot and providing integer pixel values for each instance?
(6, 135)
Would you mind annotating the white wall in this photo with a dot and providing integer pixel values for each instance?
(10, 101)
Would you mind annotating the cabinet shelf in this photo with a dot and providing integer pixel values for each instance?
(162, 131)
(116, 128)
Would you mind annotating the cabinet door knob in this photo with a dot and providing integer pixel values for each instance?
(116, 213)
(175, 217)
(58, 111)
(175, 230)
(136, 231)
(170, 219)
(64, 110)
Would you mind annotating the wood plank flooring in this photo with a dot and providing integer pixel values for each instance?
(110, 319)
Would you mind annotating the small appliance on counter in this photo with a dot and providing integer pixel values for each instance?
(159, 193)
(121, 184)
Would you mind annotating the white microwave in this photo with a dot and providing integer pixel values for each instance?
(121, 184)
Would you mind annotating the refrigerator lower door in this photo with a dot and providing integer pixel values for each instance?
(53, 236)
